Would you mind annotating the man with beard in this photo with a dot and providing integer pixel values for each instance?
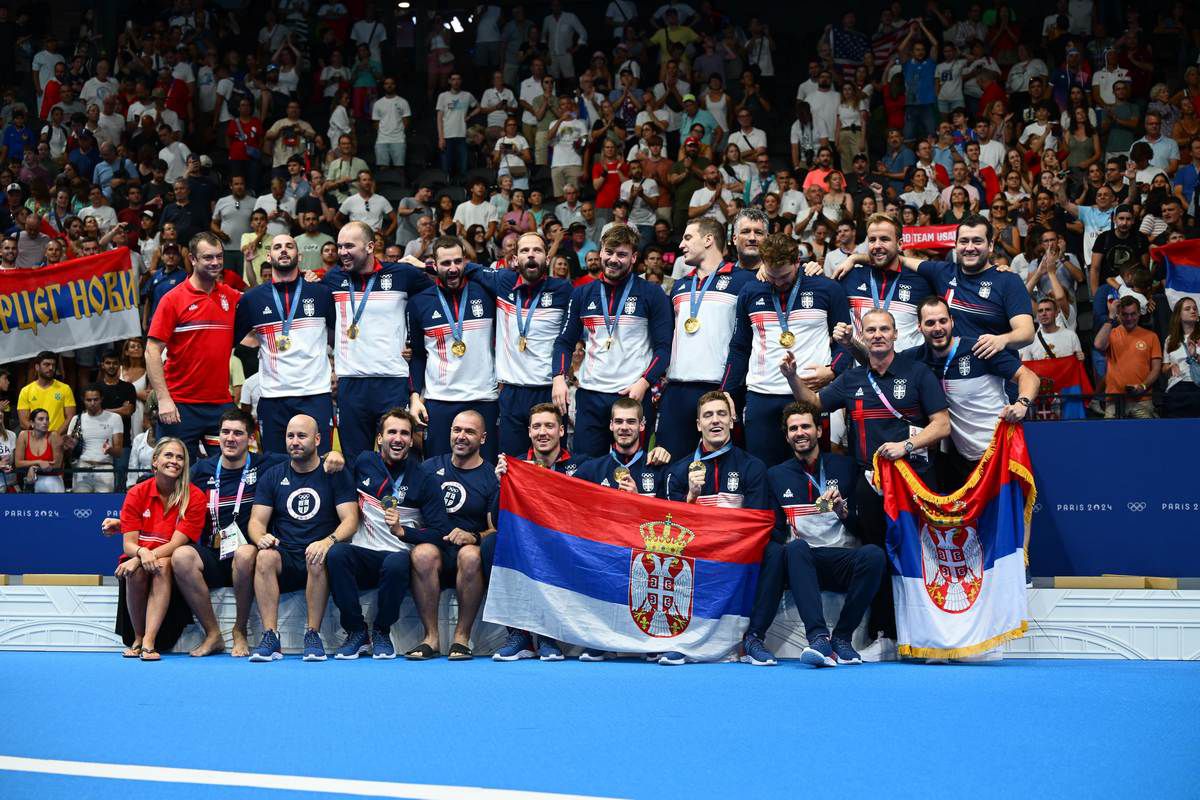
(470, 490)
(705, 303)
(988, 305)
(371, 299)
(627, 347)
(627, 466)
(400, 508)
(529, 314)
(719, 474)
(196, 321)
(300, 512)
(293, 322)
(785, 312)
(712, 199)
(453, 365)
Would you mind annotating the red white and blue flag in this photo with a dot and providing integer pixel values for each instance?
(849, 48)
(1064, 384)
(958, 561)
(1182, 263)
(619, 572)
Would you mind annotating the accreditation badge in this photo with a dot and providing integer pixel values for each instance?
(231, 539)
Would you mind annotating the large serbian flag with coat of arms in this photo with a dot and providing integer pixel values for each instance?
(604, 569)
(958, 561)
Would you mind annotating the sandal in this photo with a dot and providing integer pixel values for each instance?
(132, 652)
(421, 652)
(150, 654)
(460, 652)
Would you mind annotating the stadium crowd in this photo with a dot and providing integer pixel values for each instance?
(614, 241)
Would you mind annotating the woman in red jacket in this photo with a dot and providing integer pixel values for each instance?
(160, 514)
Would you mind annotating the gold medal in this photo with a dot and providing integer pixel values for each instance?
(823, 505)
(352, 331)
(459, 348)
(522, 343)
(283, 343)
(389, 501)
(787, 338)
(621, 473)
(608, 343)
(691, 325)
(696, 465)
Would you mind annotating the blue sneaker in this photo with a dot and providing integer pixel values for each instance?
(268, 648)
(314, 649)
(356, 644)
(381, 644)
(548, 650)
(756, 652)
(517, 646)
(818, 653)
(672, 659)
(844, 652)
(592, 654)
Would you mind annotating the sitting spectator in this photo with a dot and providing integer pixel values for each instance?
(1134, 361)
(39, 455)
(1182, 355)
(102, 435)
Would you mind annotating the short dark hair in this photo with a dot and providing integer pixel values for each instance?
(444, 243)
(707, 226)
(799, 407)
(779, 249)
(92, 387)
(630, 404)
(42, 356)
(932, 301)
(546, 408)
(207, 237)
(238, 415)
(399, 413)
(709, 397)
(619, 235)
(1127, 301)
(974, 221)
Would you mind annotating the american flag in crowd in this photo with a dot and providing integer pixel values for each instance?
(885, 46)
(849, 49)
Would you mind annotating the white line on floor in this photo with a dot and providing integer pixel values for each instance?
(258, 780)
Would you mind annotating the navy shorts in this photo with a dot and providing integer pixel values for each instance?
(361, 402)
(293, 576)
(274, 413)
(197, 421)
(515, 402)
(218, 573)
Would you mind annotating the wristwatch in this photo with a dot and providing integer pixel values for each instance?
(332, 539)
(908, 447)
(1025, 401)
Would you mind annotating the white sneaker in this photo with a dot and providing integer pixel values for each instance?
(882, 649)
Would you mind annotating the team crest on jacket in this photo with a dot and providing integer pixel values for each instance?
(631, 305)
(951, 566)
(546, 300)
(964, 366)
(661, 580)
(385, 282)
(648, 482)
(899, 388)
(985, 289)
(723, 283)
(806, 299)
(477, 308)
(733, 481)
(904, 293)
(224, 303)
(310, 306)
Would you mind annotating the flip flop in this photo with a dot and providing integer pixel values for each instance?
(421, 652)
(132, 652)
(460, 652)
(150, 654)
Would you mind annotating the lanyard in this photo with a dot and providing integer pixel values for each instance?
(781, 313)
(712, 455)
(216, 493)
(523, 325)
(613, 455)
(877, 296)
(693, 301)
(883, 398)
(819, 483)
(950, 357)
(356, 311)
(287, 322)
(456, 325)
(610, 320)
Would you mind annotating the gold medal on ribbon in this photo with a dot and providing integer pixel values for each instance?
(823, 505)
(389, 501)
(352, 331)
(691, 325)
(522, 343)
(608, 343)
(459, 348)
(696, 465)
(621, 473)
(787, 338)
(283, 343)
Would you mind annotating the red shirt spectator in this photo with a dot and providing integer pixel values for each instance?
(244, 132)
(197, 329)
(143, 512)
(607, 176)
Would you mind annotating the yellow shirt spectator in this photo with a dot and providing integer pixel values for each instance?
(57, 398)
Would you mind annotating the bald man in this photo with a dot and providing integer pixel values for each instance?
(300, 511)
(292, 323)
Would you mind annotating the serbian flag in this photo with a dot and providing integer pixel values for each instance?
(1060, 376)
(587, 565)
(1182, 263)
(957, 561)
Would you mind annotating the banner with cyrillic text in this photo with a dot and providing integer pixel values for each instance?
(78, 303)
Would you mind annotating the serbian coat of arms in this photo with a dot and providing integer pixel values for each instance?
(661, 580)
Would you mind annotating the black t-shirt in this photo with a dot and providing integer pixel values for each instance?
(1116, 253)
(116, 395)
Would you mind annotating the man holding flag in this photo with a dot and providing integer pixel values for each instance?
(1056, 356)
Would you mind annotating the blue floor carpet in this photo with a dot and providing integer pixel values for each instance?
(1063, 729)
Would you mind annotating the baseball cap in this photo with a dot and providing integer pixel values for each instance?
(13, 187)
(148, 213)
(690, 141)
(170, 248)
(577, 226)
(1124, 208)
(689, 96)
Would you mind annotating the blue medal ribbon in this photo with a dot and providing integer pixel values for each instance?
(713, 454)
(950, 356)
(876, 299)
(612, 453)
(291, 315)
(693, 301)
(781, 313)
(819, 483)
(456, 325)
(356, 311)
(611, 320)
(523, 325)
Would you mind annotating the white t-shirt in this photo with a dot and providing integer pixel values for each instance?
(454, 108)
(140, 454)
(111, 127)
(106, 216)
(701, 197)
(971, 88)
(660, 91)
(1049, 140)
(511, 159)
(176, 155)
(563, 154)
(749, 140)
(233, 216)
(371, 33)
(488, 25)
(268, 203)
(504, 97)
(390, 112)
(991, 155)
(468, 214)
(529, 90)
(370, 210)
(824, 106)
(8, 445)
(331, 77)
(251, 392)
(183, 72)
(949, 73)
(1064, 341)
(206, 89)
(95, 90)
(1105, 79)
(97, 430)
(224, 91)
(641, 213)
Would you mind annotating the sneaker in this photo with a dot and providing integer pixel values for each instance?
(672, 659)
(591, 654)
(818, 653)
(652, 658)
(314, 649)
(356, 644)
(268, 648)
(844, 652)
(882, 649)
(381, 644)
(517, 646)
(756, 652)
(548, 650)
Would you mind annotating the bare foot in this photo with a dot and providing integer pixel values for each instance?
(241, 645)
(213, 643)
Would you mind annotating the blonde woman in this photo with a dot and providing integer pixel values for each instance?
(160, 514)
